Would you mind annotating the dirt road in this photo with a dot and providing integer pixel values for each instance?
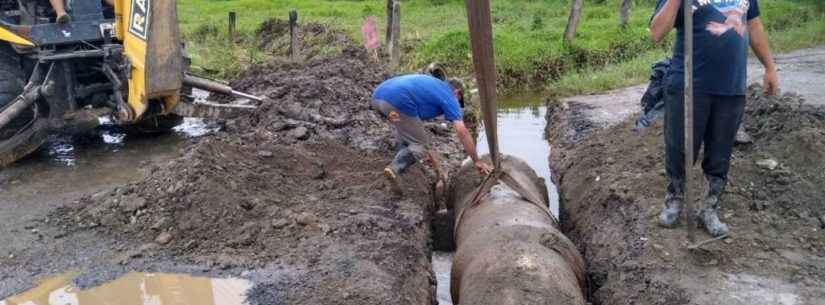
(801, 72)
(611, 183)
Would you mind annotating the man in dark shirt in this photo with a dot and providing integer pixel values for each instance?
(406, 101)
(723, 30)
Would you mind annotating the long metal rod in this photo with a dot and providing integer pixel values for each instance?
(213, 86)
(481, 40)
(688, 30)
(18, 105)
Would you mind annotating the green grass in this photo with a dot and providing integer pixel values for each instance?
(592, 80)
(529, 51)
(791, 25)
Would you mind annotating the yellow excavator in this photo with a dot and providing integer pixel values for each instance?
(123, 61)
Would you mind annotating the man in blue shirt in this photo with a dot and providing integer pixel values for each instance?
(408, 100)
(723, 30)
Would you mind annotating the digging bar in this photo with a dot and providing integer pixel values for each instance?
(689, 204)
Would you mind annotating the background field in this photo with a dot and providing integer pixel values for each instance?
(530, 52)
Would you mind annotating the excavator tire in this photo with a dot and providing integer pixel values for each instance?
(29, 130)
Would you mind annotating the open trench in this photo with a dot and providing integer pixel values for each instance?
(103, 160)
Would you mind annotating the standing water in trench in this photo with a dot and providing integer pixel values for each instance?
(521, 124)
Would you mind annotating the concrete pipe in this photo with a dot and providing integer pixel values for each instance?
(509, 247)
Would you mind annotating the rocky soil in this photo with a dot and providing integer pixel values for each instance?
(294, 192)
(612, 186)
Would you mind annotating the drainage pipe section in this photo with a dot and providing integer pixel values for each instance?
(509, 247)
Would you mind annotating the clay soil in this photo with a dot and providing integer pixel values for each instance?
(295, 190)
(612, 186)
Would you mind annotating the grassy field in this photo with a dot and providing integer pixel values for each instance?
(529, 50)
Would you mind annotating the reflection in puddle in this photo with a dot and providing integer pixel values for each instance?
(442, 263)
(113, 138)
(138, 289)
(195, 127)
(62, 151)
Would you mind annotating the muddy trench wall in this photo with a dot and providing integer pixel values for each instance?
(611, 183)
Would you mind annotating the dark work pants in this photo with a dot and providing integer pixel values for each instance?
(716, 121)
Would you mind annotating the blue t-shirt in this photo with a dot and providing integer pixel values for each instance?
(421, 96)
(720, 51)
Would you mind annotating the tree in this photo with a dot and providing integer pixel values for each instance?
(573, 21)
(624, 14)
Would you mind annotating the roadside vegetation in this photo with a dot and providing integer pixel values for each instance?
(530, 51)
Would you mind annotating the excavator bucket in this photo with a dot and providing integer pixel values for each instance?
(152, 43)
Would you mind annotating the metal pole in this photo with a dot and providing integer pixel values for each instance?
(688, 30)
(481, 40)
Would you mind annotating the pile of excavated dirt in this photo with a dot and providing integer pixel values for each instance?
(297, 188)
(315, 39)
(612, 186)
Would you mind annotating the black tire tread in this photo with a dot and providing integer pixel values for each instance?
(10, 60)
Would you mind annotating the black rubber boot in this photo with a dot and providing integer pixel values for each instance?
(64, 19)
(709, 215)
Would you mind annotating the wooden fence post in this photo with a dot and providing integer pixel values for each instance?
(232, 33)
(394, 46)
(389, 20)
(294, 42)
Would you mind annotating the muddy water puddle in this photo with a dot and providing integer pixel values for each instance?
(108, 157)
(137, 289)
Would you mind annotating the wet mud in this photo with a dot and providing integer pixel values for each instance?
(612, 187)
(291, 197)
(315, 39)
(60, 173)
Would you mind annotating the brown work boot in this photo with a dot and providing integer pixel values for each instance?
(64, 18)
(392, 178)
